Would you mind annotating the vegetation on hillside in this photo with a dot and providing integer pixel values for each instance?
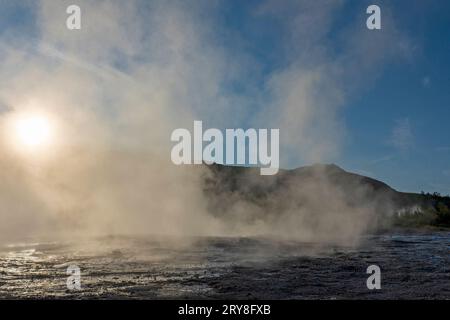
(436, 213)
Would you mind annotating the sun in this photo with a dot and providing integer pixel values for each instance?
(33, 131)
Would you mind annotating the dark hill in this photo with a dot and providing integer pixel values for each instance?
(309, 187)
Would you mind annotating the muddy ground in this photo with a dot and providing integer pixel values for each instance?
(413, 266)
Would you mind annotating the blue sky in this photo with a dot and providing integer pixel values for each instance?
(393, 118)
(397, 126)
(414, 94)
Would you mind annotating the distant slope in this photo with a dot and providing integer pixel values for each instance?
(305, 188)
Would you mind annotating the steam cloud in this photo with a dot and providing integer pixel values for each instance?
(136, 71)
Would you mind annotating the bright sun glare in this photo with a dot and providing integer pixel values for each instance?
(33, 131)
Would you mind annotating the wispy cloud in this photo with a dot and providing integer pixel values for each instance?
(382, 159)
(402, 137)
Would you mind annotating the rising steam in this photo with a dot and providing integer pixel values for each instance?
(138, 70)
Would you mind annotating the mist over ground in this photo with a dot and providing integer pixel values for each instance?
(136, 71)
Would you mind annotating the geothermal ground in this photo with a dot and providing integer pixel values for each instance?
(413, 266)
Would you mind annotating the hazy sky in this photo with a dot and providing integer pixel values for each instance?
(374, 102)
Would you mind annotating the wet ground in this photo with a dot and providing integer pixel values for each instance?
(413, 266)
